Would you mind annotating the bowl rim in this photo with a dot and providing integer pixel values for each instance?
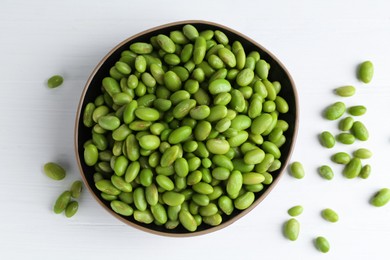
(243, 212)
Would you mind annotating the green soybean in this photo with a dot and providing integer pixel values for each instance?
(107, 187)
(281, 105)
(219, 86)
(362, 153)
(178, 37)
(87, 115)
(159, 213)
(143, 216)
(245, 77)
(91, 155)
(265, 164)
(190, 32)
(297, 170)
(227, 57)
(109, 122)
(213, 220)
(222, 161)
(71, 209)
(126, 197)
(62, 202)
(54, 171)
(271, 148)
(203, 188)
(360, 131)
(261, 123)
(326, 172)
(199, 50)
(346, 123)
(353, 168)
(365, 172)
(151, 194)
(345, 91)
(341, 158)
(226, 205)
(121, 208)
(262, 69)
(181, 167)
(165, 182)
(166, 43)
(172, 198)
(218, 146)
(254, 156)
(140, 199)
(76, 188)
(330, 215)
(183, 108)
(345, 138)
(169, 156)
(295, 211)
(291, 229)
(335, 111)
(187, 220)
(241, 122)
(141, 48)
(121, 184)
(244, 201)
(238, 101)
(149, 142)
(327, 139)
(132, 171)
(357, 110)
(366, 71)
(108, 197)
(55, 81)
(322, 244)
(381, 197)
(179, 135)
(234, 184)
(147, 114)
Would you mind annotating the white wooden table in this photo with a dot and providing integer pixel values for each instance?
(320, 42)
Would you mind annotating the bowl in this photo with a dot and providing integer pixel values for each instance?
(93, 88)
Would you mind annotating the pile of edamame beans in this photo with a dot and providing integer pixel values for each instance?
(186, 129)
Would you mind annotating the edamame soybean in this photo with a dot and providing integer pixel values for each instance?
(297, 170)
(330, 215)
(295, 211)
(291, 229)
(62, 202)
(71, 209)
(75, 189)
(366, 71)
(381, 197)
(345, 91)
(327, 139)
(353, 168)
(335, 111)
(357, 110)
(362, 153)
(55, 171)
(360, 131)
(322, 244)
(55, 81)
(326, 172)
(121, 208)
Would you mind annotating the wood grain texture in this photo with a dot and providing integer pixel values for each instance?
(320, 43)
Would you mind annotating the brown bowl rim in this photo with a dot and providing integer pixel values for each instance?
(242, 213)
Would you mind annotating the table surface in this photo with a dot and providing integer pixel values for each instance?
(320, 42)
